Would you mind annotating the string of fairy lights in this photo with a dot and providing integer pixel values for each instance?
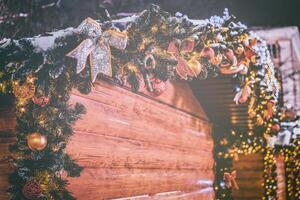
(151, 49)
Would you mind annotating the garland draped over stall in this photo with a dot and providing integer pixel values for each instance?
(145, 51)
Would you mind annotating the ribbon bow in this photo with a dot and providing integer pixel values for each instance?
(243, 95)
(97, 47)
(230, 181)
(186, 46)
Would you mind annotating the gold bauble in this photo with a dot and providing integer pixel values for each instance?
(195, 66)
(36, 141)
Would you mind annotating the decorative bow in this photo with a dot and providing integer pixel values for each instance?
(243, 95)
(230, 181)
(231, 65)
(97, 47)
(175, 47)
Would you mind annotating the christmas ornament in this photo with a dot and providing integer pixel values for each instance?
(175, 47)
(32, 190)
(97, 47)
(275, 128)
(230, 181)
(36, 141)
(25, 91)
(243, 95)
(41, 101)
(149, 62)
(195, 66)
(158, 86)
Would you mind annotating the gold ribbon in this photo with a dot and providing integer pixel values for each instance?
(186, 46)
(97, 47)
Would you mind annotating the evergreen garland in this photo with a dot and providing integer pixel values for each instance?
(216, 43)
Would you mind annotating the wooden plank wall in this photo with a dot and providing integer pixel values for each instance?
(133, 147)
(7, 124)
(281, 192)
(249, 177)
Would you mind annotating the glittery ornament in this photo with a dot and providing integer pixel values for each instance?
(26, 90)
(97, 46)
(36, 141)
(32, 190)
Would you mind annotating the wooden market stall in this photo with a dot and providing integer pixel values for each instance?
(169, 139)
(136, 146)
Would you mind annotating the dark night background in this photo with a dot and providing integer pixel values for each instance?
(48, 15)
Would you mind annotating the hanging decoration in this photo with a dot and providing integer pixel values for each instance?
(32, 190)
(230, 181)
(153, 47)
(36, 141)
(97, 47)
(24, 91)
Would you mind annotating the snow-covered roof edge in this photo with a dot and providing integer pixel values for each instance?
(282, 33)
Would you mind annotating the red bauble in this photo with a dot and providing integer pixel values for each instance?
(275, 127)
(208, 52)
(41, 101)
(32, 190)
(158, 86)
